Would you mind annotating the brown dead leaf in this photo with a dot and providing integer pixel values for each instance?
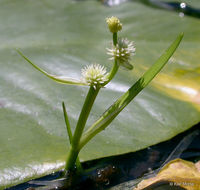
(198, 166)
(177, 173)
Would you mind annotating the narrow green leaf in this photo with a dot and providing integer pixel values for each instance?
(126, 98)
(60, 79)
(67, 123)
(78, 163)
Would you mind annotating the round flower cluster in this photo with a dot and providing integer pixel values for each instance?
(94, 75)
(114, 24)
(122, 52)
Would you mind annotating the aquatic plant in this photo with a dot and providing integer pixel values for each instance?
(96, 77)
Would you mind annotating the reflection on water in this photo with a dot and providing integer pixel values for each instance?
(181, 7)
(181, 14)
(113, 2)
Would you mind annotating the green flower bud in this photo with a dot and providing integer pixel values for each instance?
(114, 24)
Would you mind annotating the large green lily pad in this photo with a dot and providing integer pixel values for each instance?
(62, 37)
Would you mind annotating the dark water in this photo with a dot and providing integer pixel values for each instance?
(184, 9)
(181, 7)
(104, 173)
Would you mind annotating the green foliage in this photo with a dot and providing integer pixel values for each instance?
(127, 97)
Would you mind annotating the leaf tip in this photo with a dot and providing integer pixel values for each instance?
(181, 35)
(18, 51)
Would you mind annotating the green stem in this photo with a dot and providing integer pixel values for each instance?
(89, 101)
(74, 150)
(115, 38)
(115, 66)
(78, 163)
(75, 145)
(112, 72)
(71, 159)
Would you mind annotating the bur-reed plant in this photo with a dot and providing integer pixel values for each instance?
(96, 77)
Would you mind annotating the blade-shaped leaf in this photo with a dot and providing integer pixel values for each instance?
(67, 123)
(60, 79)
(69, 131)
(126, 98)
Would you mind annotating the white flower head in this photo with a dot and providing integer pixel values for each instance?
(122, 52)
(94, 75)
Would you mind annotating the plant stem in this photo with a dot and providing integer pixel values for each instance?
(74, 150)
(112, 72)
(115, 38)
(89, 101)
(115, 66)
(78, 163)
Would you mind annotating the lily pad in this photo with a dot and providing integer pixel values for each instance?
(62, 37)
